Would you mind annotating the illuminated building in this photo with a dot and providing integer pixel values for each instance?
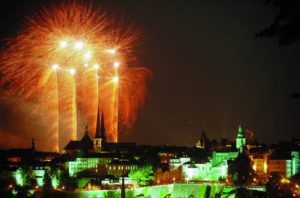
(38, 173)
(196, 170)
(219, 161)
(280, 165)
(97, 155)
(240, 139)
(201, 142)
(100, 137)
(287, 164)
(86, 163)
(166, 156)
(218, 157)
(259, 164)
(295, 162)
(176, 162)
(86, 145)
(259, 157)
(121, 167)
(212, 168)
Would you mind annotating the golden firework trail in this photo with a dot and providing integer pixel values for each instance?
(68, 59)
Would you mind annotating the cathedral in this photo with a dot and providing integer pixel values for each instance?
(86, 144)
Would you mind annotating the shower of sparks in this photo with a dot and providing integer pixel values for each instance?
(69, 59)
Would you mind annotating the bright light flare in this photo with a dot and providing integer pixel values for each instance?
(96, 66)
(52, 35)
(115, 79)
(79, 45)
(117, 64)
(112, 51)
(55, 67)
(63, 44)
(72, 71)
(88, 55)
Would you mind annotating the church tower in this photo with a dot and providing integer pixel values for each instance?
(201, 141)
(240, 139)
(100, 137)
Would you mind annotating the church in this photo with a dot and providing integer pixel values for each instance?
(86, 144)
(98, 144)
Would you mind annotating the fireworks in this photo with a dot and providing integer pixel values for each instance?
(69, 59)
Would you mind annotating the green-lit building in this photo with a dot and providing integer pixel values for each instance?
(240, 139)
(295, 162)
(216, 167)
(87, 163)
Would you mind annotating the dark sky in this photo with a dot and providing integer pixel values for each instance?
(209, 71)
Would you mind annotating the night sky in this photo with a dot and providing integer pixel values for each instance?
(209, 72)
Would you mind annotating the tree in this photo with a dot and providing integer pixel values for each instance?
(24, 176)
(47, 185)
(141, 176)
(65, 180)
(150, 158)
(286, 25)
(214, 144)
(240, 170)
(224, 142)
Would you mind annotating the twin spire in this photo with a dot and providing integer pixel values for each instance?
(100, 127)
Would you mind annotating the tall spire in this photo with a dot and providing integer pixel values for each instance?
(240, 140)
(240, 131)
(102, 130)
(98, 130)
(86, 130)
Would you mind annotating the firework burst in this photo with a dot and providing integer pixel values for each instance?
(70, 58)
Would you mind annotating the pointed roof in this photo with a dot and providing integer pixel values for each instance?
(100, 127)
(86, 137)
(240, 133)
(84, 144)
(98, 132)
(102, 130)
(86, 130)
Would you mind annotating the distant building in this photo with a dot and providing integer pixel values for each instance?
(166, 156)
(259, 157)
(240, 139)
(287, 164)
(88, 163)
(98, 156)
(201, 141)
(100, 137)
(295, 162)
(121, 167)
(80, 147)
(86, 144)
(176, 162)
(200, 170)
